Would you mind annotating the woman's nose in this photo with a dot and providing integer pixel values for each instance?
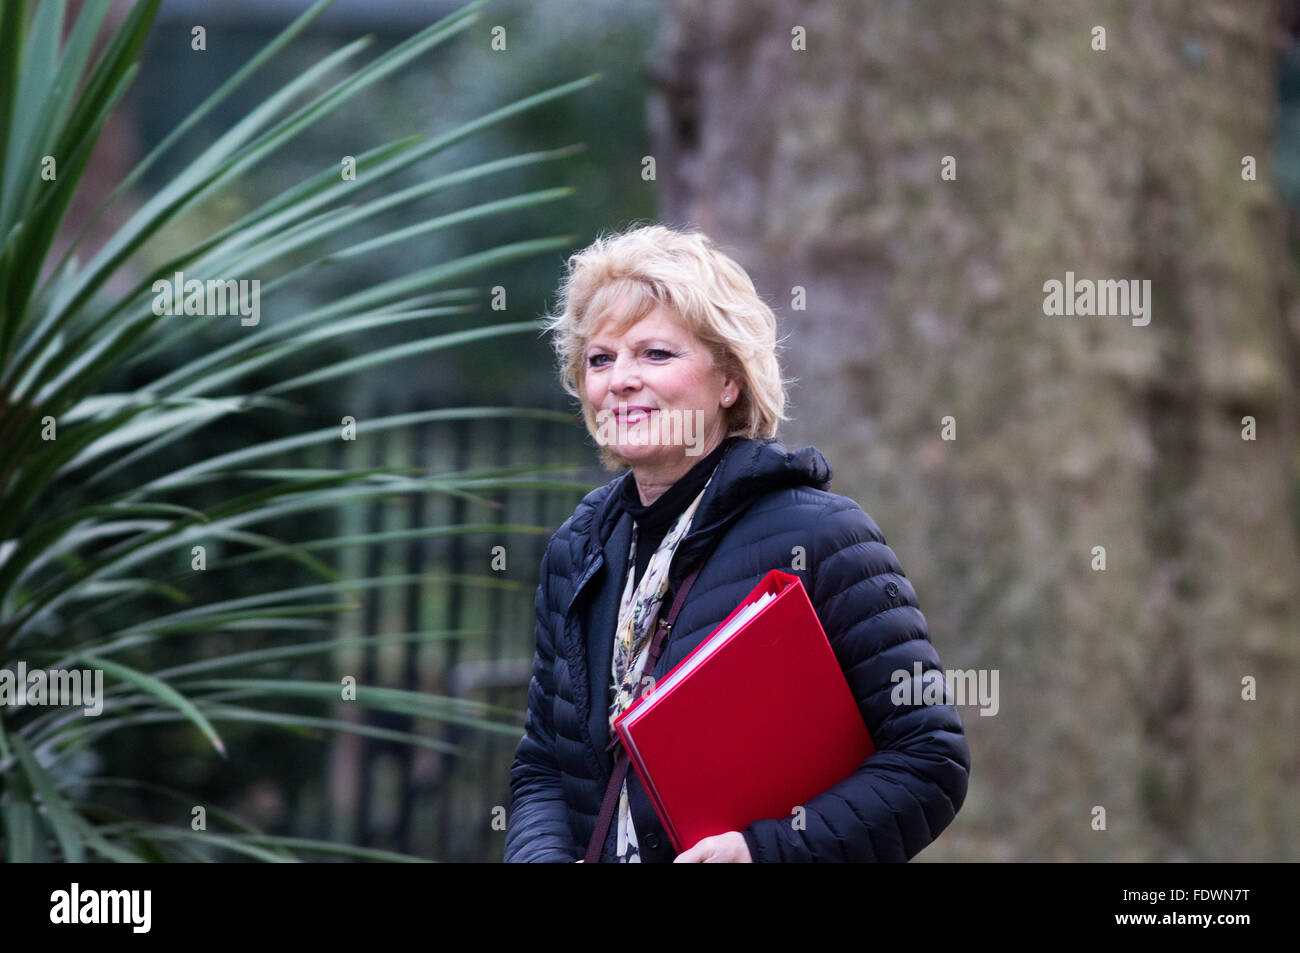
(623, 375)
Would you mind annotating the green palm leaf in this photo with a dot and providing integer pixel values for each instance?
(95, 508)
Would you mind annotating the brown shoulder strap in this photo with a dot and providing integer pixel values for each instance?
(607, 807)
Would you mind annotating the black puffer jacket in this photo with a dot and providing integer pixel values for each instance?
(764, 502)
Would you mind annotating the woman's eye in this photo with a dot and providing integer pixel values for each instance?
(655, 353)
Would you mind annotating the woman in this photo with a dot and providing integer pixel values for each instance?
(672, 354)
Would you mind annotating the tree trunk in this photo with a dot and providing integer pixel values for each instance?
(821, 169)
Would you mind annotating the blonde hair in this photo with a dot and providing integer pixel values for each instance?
(684, 271)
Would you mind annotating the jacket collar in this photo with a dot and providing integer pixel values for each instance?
(748, 469)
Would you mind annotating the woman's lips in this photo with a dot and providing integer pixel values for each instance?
(634, 415)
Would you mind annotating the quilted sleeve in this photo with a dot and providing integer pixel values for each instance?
(538, 829)
(903, 796)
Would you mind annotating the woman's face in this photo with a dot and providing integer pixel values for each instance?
(658, 398)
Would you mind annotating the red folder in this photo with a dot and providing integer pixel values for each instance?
(749, 725)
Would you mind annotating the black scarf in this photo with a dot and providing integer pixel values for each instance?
(654, 520)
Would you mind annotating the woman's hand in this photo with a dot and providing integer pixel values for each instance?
(728, 848)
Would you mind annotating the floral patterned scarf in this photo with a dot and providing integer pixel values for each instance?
(638, 616)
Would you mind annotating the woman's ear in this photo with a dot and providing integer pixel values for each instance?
(730, 391)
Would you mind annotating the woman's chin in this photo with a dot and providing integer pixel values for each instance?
(637, 454)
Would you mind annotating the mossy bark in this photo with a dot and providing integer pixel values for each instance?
(925, 299)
